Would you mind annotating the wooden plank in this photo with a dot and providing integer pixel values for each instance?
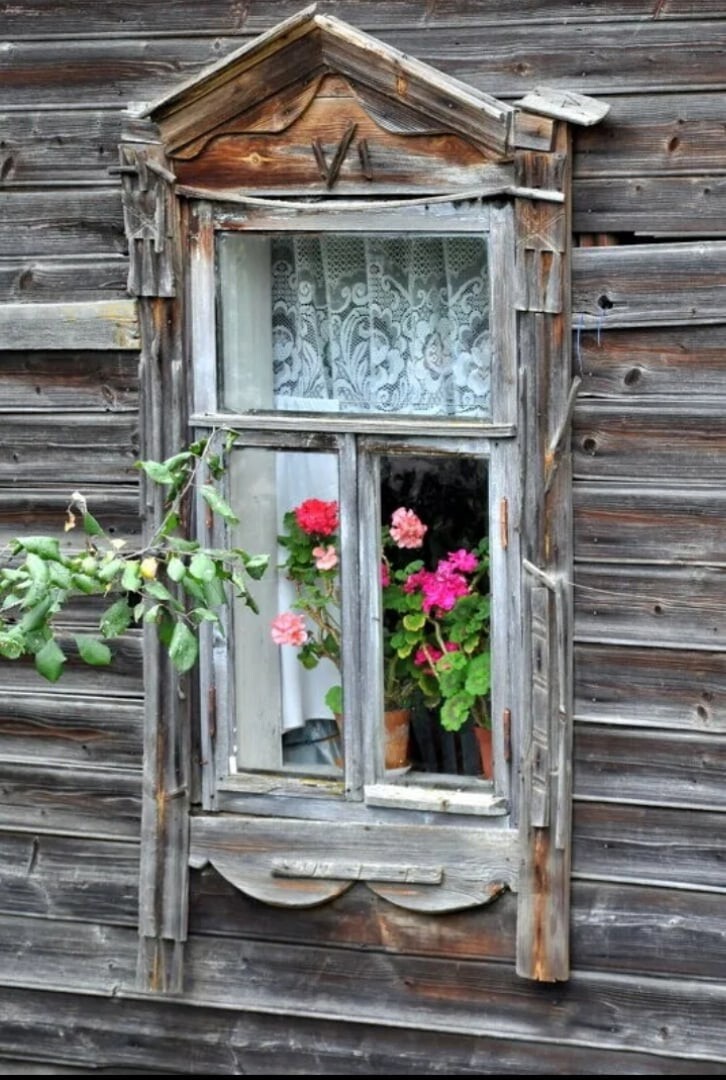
(641, 844)
(72, 955)
(117, 1034)
(577, 109)
(80, 800)
(62, 221)
(71, 449)
(57, 877)
(680, 607)
(91, 324)
(61, 728)
(122, 678)
(89, 381)
(648, 930)
(63, 278)
(568, 54)
(660, 688)
(614, 521)
(614, 764)
(68, 146)
(69, 18)
(216, 907)
(668, 444)
(650, 284)
(473, 997)
(654, 133)
(651, 205)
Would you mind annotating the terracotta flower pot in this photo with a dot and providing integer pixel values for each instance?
(397, 734)
(484, 741)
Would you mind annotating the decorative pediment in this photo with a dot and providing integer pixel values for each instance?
(315, 105)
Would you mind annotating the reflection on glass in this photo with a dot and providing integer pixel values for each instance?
(287, 658)
(436, 611)
(363, 324)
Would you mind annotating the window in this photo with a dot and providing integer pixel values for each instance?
(366, 373)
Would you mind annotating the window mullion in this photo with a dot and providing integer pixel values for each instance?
(353, 681)
(370, 614)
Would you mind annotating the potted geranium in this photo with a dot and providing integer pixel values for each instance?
(439, 627)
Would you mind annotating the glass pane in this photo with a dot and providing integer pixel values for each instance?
(287, 657)
(366, 324)
(436, 609)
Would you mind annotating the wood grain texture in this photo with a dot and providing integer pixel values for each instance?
(642, 765)
(72, 799)
(60, 146)
(35, 511)
(568, 55)
(651, 206)
(68, 449)
(55, 381)
(63, 278)
(62, 221)
(82, 325)
(659, 688)
(56, 877)
(59, 727)
(121, 679)
(646, 844)
(119, 1034)
(619, 521)
(649, 284)
(676, 444)
(648, 605)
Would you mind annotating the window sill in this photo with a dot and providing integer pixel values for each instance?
(441, 800)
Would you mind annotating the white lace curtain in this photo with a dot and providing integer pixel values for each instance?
(382, 324)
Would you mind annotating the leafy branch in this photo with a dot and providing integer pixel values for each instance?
(172, 582)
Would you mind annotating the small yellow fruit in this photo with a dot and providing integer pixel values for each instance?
(89, 565)
(149, 567)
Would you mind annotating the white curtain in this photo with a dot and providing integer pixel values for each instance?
(382, 324)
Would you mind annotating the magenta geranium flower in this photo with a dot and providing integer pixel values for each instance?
(407, 529)
(289, 629)
(317, 517)
(462, 560)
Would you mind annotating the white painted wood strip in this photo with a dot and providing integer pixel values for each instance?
(565, 105)
(482, 804)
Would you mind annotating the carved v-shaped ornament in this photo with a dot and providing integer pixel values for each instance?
(330, 172)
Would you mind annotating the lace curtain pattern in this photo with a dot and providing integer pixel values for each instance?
(382, 324)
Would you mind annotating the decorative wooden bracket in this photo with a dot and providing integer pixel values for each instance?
(330, 173)
(147, 196)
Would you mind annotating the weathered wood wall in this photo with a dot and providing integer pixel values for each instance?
(648, 994)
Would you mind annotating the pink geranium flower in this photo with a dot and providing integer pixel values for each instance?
(427, 657)
(316, 517)
(326, 557)
(289, 629)
(407, 529)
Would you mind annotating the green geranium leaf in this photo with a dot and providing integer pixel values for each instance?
(455, 712)
(183, 648)
(479, 675)
(334, 699)
(49, 660)
(415, 621)
(92, 651)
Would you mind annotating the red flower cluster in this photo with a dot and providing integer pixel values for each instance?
(316, 517)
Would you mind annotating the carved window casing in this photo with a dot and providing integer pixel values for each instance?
(317, 130)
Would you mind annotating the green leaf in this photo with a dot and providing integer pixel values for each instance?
(455, 712)
(414, 621)
(44, 546)
(213, 499)
(92, 651)
(479, 676)
(178, 459)
(202, 568)
(49, 661)
(256, 566)
(36, 616)
(110, 569)
(159, 592)
(131, 580)
(139, 610)
(204, 615)
(91, 526)
(59, 575)
(194, 588)
(160, 474)
(183, 648)
(85, 584)
(37, 568)
(116, 619)
(11, 646)
(175, 568)
(169, 524)
(214, 594)
(334, 699)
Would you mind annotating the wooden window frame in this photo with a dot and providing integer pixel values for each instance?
(357, 440)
